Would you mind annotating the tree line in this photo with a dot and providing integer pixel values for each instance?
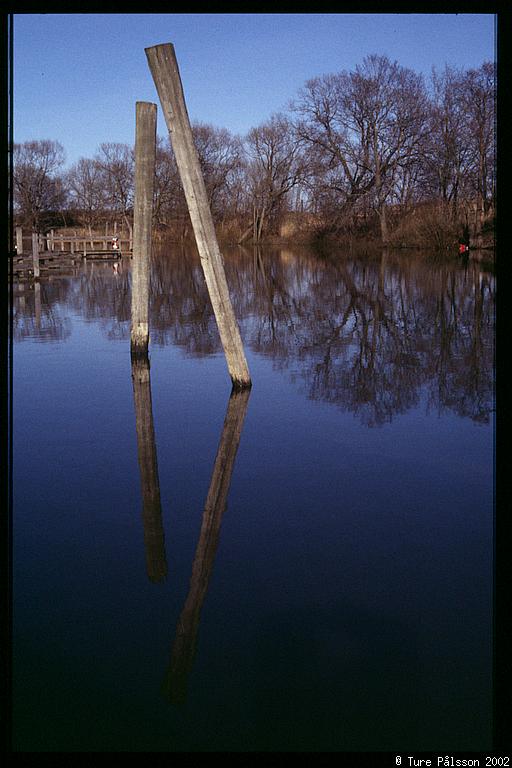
(375, 150)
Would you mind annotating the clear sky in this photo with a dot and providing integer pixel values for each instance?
(77, 76)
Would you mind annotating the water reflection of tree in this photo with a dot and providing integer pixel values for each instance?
(372, 335)
(105, 298)
(38, 311)
(181, 313)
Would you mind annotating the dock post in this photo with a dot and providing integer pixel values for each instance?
(35, 253)
(145, 153)
(52, 246)
(19, 240)
(165, 72)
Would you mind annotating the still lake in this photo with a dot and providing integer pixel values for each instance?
(307, 566)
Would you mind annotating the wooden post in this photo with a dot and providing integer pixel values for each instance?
(165, 72)
(61, 242)
(35, 253)
(183, 650)
(154, 543)
(37, 304)
(52, 245)
(19, 240)
(145, 152)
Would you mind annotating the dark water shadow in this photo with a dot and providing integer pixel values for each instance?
(174, 686)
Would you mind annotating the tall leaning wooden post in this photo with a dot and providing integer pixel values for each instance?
(145, 150)
(165, 72)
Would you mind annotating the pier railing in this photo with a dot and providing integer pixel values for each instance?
(77, 243)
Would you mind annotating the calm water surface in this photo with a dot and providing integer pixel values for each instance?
(305, 567)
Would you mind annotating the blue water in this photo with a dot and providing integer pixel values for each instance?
(348, 603)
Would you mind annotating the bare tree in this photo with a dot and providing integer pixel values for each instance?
(85, 183)
(362, 127)
(479, 103)
(169, 202)
(220, 157)
(276, 166)
(38, 187)
(388, 105)
(116, 162)
(339, 177)
(447, 153)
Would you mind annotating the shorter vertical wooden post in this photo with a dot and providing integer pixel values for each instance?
(62, 242)
(35, 253)
(19, 241)
(145, 153)
(52, 243)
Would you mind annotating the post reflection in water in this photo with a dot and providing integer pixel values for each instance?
(37, 304)
(174, 686)
(154, 543)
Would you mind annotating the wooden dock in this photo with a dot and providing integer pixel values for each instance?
(58, 252)
(59, 261)
(61, 243)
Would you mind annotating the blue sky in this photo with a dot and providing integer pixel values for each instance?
(77, 76)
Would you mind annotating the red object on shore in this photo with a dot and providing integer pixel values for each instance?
(463, 248)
